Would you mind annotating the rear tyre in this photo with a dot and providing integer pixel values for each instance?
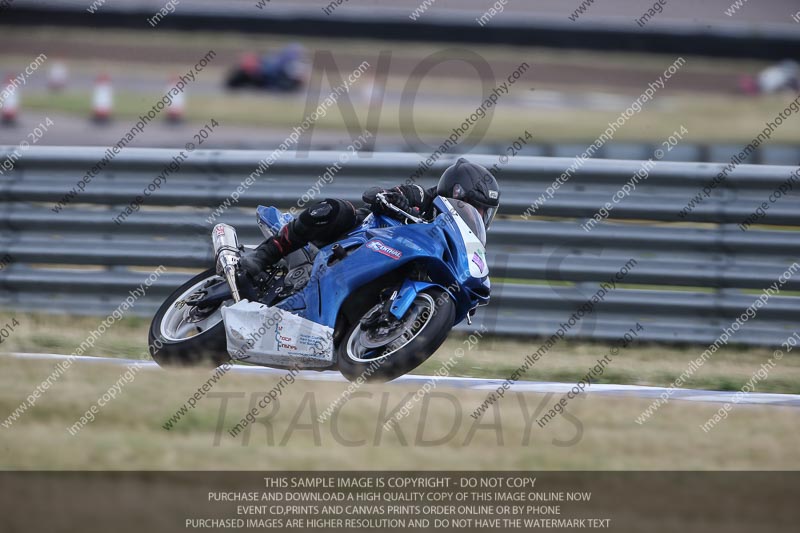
(425, 327)
(180, 336)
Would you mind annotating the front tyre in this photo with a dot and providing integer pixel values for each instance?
(181, 334)
(424, 328)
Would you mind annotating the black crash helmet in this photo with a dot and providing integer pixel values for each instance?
(473, 184)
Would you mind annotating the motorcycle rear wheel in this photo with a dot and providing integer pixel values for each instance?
(176, 339)
(431, 318)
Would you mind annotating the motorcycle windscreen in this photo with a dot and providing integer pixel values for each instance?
(471, 217)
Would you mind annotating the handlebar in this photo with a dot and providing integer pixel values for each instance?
(382, 199)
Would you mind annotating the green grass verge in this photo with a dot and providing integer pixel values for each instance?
(599, 432)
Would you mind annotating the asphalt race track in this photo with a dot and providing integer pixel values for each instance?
(541, 387)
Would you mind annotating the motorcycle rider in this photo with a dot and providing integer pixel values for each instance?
(324, 221)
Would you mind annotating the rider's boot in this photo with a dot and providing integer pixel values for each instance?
(269, 252)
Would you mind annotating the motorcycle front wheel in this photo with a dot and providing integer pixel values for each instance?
(182, 334)
(423, 329)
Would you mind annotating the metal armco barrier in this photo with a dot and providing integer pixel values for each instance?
(692, 277)
(772, 154)
(440, 25)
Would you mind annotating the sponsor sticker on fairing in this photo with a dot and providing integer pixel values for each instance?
(479, 262)
(381, 248)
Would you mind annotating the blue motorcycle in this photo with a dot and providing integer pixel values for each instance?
(374, 305)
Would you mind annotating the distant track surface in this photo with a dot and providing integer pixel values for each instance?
(621, 78)
(541, 387)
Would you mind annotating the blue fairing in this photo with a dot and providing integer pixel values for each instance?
(381, 245)
(273, 218)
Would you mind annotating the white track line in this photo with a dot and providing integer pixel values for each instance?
(602, 389)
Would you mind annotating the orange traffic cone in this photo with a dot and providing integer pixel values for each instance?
(177, 109)
(10, 102)
(102, 99)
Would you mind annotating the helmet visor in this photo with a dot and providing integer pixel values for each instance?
(487, 213)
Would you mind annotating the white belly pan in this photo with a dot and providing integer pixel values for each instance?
(271, 336)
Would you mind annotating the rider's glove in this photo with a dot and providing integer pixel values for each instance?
(393, 196)
(397, 199)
